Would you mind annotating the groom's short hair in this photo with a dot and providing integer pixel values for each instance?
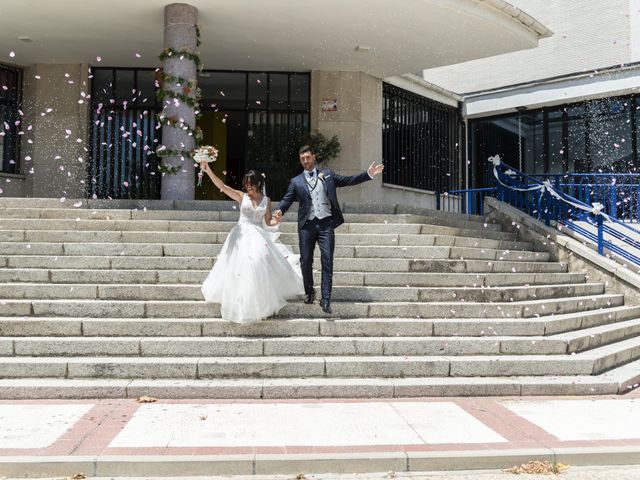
(305, 149)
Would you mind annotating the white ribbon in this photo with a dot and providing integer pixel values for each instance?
(595, 209)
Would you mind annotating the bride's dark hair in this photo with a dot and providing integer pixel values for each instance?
(253, 178)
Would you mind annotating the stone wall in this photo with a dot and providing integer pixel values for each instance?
(54, 150)
(357, 122)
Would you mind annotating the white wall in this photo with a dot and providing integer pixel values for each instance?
(608, 84)
(588, 34)
(634, 22)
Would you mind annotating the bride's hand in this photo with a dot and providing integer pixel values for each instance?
(275, 221)
(204, 166)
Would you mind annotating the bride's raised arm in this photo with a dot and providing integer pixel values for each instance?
(224, 188)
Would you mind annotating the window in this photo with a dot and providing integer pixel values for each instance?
(556, 144)
(532, 132)
(610, 137)
(577, 153)
(10, 91)
(594, 136)
(256, 119)
(124, 134)
(420, 141)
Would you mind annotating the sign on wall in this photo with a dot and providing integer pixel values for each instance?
(329, 105)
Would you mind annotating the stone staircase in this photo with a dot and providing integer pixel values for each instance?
(106, 303)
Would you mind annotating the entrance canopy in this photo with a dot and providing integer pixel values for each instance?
(378, 37)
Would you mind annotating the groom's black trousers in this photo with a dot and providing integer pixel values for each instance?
(321, 232)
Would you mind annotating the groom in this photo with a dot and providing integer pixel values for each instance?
(318, 214)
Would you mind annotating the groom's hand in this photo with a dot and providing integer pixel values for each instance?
(277, 215)
(374, 169)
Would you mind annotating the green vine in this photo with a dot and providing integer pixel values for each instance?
(186, 99)
(169, 169)
(190, 96)
(183, 82)
(173, 122)
(169, 152)
(171, 53)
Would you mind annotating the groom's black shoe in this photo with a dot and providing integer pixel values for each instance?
(326, 306)
(310, 297)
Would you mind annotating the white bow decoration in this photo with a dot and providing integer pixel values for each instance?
(595, 209)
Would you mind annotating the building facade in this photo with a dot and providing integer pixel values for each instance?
(82, 117)
(570, 105)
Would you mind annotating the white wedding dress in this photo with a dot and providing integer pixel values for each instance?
(254, 273)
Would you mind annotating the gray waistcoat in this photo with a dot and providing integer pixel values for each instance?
(320, 206)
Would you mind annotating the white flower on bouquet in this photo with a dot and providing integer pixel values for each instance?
(204, 154)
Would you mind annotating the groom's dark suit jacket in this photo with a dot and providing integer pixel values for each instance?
(299, 190)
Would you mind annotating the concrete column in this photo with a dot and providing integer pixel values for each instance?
(357, 122)
(180, 22)
(54, 150)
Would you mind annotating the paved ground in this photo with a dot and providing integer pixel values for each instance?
(576, 473)
(253, 437)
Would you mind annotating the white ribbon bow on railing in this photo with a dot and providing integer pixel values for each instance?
(595, 209)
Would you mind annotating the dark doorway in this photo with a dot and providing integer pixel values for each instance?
(256, 120)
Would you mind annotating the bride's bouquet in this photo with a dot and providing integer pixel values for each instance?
(204, 154)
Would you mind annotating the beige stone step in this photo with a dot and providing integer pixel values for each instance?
(195, 309)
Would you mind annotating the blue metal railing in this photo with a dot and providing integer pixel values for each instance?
(470, 201)
(618, 192)
(548, 201)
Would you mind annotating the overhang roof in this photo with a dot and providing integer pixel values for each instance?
(296, 35)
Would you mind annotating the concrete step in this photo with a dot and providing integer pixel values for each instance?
(613, 355)
(63, 276)
(305, 366)
(203, 226)
(179, 347)
(353, 293)
(381, 265)
(388, 239)
(288, 367)
(195, 309)
(194, 249)
(230, 214)
(598, 336)
(323, 327)
(301, 388)
(539, 326)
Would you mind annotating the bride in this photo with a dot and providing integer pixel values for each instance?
(254, 273)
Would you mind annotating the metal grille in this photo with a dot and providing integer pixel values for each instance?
(10, 92)
(124, 134)
(421, 141)
(124, 164)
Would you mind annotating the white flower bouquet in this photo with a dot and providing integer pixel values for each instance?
(204, 154)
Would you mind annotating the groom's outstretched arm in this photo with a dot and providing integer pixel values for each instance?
(372, 171)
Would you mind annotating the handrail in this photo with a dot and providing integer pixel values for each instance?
(468, 201)
(604, 174)
(547, 201)
(620, 192)
(565, 209)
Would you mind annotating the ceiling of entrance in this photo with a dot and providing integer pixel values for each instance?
(395, 36)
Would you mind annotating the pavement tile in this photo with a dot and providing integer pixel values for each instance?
(111, 437)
